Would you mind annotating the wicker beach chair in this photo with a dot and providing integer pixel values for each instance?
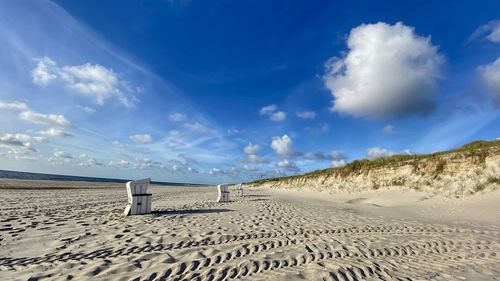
(139, 201)
(239, 190)
(223, 193)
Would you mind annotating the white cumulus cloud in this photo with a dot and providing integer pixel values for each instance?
(85, 160)
(92, 80)
(388, 70)
(215, 172)
(60, 157)
(338, 163)
(20, 141)
(82, 160)
(249, 168)
(377, 152)
(278, 116)
(141, 138)
(192, 170)
(273, 113)
(29, 115)
(252, 148)
(19, 153)
(147, 164)
(490, 75)
(119, 164)
(63, 154)
(183, 169)
(283, 146)
(16, 106)
(288, 165)
(268, 109)
(44, 72)
(45, 119)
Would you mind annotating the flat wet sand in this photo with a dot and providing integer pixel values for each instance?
(76, 231)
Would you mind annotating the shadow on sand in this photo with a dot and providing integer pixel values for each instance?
(189, 212)
(258, 199)
(256, 195)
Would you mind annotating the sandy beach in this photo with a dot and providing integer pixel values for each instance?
(76, 231)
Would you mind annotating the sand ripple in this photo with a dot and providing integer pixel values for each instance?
(80, 234)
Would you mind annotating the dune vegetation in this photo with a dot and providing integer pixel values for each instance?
(476, 164)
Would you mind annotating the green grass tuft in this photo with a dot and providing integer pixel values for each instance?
(494, 180)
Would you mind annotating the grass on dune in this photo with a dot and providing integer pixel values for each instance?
(494, 180)
(477, 148)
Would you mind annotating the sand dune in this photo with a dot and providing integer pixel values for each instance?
(467, 170)
(61, 233)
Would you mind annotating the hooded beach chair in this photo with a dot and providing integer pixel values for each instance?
(223, 193)
(139, 201)
(239, 190)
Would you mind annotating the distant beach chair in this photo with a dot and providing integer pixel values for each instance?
(139, 201)
(239, 190)
(223, 193)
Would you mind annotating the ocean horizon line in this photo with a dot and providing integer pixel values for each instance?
(10, 174)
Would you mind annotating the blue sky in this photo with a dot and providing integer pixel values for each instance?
(227, 91)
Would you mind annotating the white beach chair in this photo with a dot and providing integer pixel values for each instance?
(139, 201)
(223, 193)
(239, 190)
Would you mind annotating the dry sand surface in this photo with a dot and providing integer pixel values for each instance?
(69, 230)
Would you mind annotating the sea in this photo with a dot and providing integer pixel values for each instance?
(39, 176)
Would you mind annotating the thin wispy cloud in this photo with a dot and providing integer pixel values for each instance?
(334, 155)
(257, 159)
(323, 128)
(489, 31)
(389, 130)
(177, 117)
(54, 132)
(87, 109)
(199, 128)
(306, 114)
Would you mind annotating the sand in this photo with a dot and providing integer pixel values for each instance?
(69, 230)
